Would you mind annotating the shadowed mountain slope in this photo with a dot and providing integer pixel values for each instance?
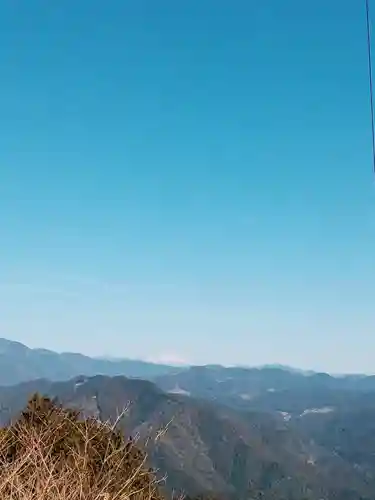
(269, 389)
(207, 447)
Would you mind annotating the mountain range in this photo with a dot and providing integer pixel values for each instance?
(235, 433)
(206, 447)
(269, 389)
(19, 363)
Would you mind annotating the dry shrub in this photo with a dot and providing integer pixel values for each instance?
(52, 454)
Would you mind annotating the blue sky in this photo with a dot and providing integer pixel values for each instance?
(188, 180)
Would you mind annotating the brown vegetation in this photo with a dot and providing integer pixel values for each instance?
(49, 453)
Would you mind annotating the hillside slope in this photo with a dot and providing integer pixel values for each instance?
(19, 363)
(207, 447)
(270, 389)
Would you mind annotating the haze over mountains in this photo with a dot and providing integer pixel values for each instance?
(236, 433)
(20, 363)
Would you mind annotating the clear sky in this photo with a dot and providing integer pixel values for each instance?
(188, 180)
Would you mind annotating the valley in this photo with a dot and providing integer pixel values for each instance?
(229, 432)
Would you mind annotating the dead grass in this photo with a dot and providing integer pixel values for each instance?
(51, 454)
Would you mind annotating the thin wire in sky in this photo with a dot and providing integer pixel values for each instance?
(370, 82)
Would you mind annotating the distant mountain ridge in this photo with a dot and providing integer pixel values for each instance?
(19, 363)
(268, 389)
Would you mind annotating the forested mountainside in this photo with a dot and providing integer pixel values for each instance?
(19, 363)
(269, 389)
(206, 447)
(229, 432)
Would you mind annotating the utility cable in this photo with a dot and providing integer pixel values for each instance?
(370, 82)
